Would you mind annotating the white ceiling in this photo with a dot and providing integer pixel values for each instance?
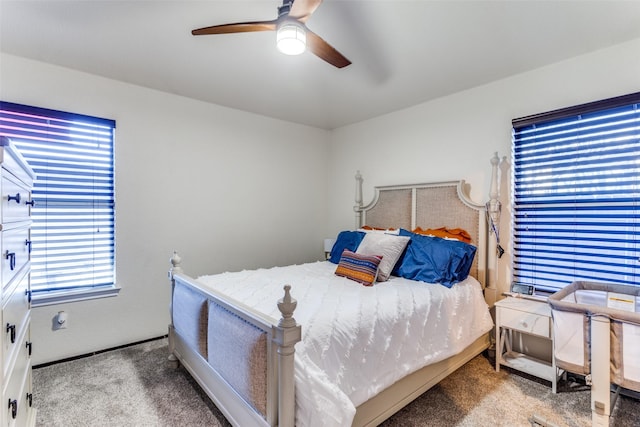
(403, 52)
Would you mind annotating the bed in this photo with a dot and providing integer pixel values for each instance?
(361, 359)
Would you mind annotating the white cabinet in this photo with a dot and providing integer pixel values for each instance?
(15, 293)
(518, 316)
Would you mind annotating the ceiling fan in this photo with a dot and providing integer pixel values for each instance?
(293, 36)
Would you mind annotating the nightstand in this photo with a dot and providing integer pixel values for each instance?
(516, 316)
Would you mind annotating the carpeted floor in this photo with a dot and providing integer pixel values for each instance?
(135, 386)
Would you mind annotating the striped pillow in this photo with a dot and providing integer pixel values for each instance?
(361, 268)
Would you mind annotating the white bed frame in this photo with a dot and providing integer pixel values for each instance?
(426, 205)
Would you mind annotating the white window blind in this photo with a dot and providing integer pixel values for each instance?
(73, 217)
(577, 195)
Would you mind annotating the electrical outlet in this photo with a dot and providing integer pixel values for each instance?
(61, 320)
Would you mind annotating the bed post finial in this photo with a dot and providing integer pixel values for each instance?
(358, 206)
(175, 264)
(287, 334)
(286, 306)
(494, 193)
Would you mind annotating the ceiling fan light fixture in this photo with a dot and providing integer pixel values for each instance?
(291, 38)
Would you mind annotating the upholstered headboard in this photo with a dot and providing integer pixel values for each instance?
(434, 205)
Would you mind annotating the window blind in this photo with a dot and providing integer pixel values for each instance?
(73, 217)
(577, 195)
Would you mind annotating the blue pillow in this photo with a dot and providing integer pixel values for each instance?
(435, 260)
(346, 240)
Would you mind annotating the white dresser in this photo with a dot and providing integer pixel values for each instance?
(15, 352)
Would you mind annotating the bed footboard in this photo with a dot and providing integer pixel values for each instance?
(242, 359)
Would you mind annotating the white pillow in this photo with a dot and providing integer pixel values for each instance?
(389, 246)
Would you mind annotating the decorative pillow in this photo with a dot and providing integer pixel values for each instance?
(446, 233)
(388, 245)
(345, 240)
(361, 268)
(435, 260)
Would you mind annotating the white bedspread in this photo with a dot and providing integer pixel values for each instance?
(359, 340)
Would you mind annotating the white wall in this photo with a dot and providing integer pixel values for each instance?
(454, 137)
(227, 189)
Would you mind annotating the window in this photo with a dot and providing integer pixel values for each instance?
(72, 255)
(577, 195)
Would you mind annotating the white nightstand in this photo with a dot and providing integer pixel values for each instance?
(516, 315)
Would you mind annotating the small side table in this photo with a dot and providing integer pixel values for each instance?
(530, 317)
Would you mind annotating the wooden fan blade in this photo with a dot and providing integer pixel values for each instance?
(325, 51)
(240, 27)
(301, 10)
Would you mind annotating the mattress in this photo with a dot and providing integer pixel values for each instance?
(359, 340)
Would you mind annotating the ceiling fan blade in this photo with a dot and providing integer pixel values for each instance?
(240, 27)
(325, 51)
(301, 10)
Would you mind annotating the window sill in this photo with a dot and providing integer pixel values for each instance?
(60, 297)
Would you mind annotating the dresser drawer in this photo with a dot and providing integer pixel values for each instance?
(18, 397)
(15, 318)
(15, 252)
(13, 163)
(16, 209)
(25, 413)
(530, 323)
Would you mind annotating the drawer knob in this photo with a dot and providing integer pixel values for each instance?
(524, 324)
(13, 405)
(16, 198)
(12, 330)
(30, 202)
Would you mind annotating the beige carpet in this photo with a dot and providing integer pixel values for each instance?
(477, 395)
(135, 386)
